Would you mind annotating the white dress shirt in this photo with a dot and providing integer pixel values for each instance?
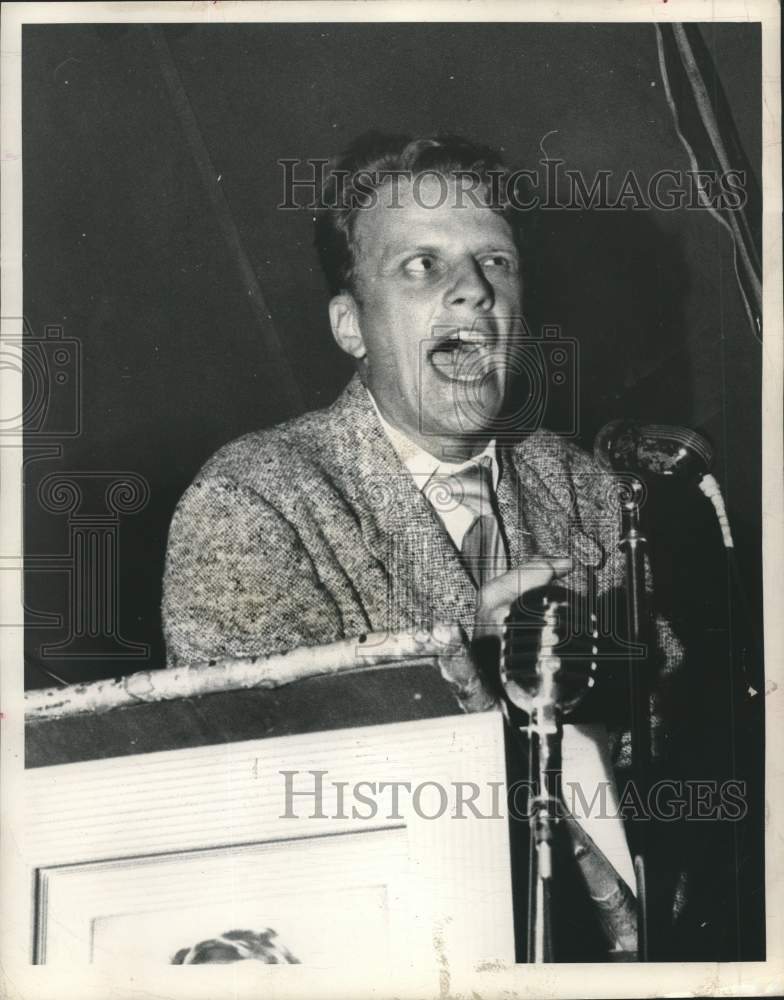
(426, 471)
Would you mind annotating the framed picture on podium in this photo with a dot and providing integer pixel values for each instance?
(328, 849)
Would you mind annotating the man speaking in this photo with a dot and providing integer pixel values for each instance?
(413, 501)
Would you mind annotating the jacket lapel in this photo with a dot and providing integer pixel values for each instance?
(544, 498)
(428, 582)
(522, 543)
(549, 491)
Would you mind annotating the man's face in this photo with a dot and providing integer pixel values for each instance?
(437, 295)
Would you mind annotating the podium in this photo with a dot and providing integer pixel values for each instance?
(401, 691)
(353, 817)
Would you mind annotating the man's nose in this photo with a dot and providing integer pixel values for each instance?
(470, 286)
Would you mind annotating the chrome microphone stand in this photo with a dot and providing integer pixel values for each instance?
(535, 678)
(544, 740)
(633, 544)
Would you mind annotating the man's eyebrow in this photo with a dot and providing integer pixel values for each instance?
(505, 246)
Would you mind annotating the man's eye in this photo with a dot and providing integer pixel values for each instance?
(501, 262)
(423, 263)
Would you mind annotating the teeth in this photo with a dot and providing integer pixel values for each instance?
(469, 377)
(467, 367)
(468, 337)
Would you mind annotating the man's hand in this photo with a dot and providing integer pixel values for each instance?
(493, 603)
(497, 595)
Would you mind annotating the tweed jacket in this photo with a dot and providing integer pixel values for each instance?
(314, 531)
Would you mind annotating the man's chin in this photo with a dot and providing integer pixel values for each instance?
(461, 427)
(463, 410)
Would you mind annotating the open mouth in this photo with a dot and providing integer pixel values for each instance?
(465, 356)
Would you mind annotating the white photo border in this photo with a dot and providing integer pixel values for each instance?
(736, 979)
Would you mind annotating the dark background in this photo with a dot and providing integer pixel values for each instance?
(123, 253)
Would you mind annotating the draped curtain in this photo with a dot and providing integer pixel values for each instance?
(705, 127)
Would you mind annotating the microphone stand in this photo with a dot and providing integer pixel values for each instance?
(633, 544)
(535, 678)
(544, 750)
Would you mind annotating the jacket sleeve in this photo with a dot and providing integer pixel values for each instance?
(238, 579)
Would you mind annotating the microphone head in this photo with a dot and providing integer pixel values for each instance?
(660, 449)
(549, 650)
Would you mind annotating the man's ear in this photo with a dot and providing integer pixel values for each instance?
(344, 317)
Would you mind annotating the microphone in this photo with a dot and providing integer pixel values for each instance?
(662, 450)
(549, 651)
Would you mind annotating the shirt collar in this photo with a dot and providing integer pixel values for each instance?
(422, 465)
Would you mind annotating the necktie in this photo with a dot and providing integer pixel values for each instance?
(483, 549)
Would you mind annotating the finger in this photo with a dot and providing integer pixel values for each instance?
(497, 595)
(461, 674)
(450, 636)
(458, 669)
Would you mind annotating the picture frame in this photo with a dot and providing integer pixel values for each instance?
(117, 851)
